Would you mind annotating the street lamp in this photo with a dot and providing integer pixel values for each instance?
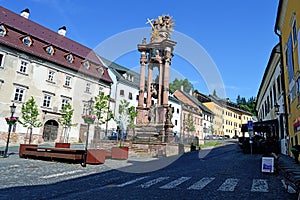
(89, 120)
(12, 111)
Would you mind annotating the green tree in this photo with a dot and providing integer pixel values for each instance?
(189, 123)
(30, 116)
(215, 93)
(66, 121)
(127, 114)
(177, 84)
(101, 109)
(247, 105)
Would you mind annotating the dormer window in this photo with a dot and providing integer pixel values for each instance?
(49, 50)
(86, 64)
(70, 58)
(27, 41)
(3, 30)
(101, 70)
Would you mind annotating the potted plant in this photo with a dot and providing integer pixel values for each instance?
(125, 120)
(120, 152)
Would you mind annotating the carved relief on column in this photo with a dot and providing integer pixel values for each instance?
(149, 93)
(167, 58)
(160, 70)
(143, 62)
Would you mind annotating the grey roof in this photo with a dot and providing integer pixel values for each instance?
(119, 70)
(198, 103)
(229, 104)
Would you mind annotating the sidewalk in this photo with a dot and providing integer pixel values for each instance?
(290, 170)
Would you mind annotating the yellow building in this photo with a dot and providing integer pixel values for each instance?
(218, 116)
(288, 29)
(228, 117)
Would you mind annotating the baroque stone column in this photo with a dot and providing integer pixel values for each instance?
(143, 62)
(167, 58)
(160, 70)
(150, 74)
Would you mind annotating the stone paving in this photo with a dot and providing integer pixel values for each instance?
(15, 171)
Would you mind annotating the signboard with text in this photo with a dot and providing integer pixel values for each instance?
(250, 128)
(267, 164)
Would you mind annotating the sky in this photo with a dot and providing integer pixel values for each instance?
(221, 45)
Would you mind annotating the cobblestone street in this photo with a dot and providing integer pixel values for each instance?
(17, 171)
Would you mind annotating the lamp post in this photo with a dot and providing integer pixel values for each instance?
(12, 111)
(89, 121)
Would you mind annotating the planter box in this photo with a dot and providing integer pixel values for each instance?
(62, 145)
(23, 148)
(120, 153)
(95, 156)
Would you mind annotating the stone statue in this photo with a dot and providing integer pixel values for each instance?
(169, 114)
(151, 115)
(161, 27)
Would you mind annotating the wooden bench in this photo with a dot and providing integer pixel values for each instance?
(54, 153)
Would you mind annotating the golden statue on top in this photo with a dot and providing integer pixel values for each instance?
(161, 28)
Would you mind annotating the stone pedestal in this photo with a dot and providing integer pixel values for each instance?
(142, 117)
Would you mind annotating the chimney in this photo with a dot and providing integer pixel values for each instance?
(62, 31)
(25, 13)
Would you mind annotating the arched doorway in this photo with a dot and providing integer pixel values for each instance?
(50, 131)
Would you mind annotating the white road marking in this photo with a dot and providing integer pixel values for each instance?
(229, 185)
(201, 184)
(153, 182)
(259, 185)
(61, 174)
(132, 181)
(175, 183)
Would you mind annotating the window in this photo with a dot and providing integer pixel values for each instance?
(50, 50)
(23, 66)
(86, 64)
(130, 96)
(88, 87)
(1, 60)
(175, 122)
(19, 94)
(274, 93)
(47, 100)
(64, 102)
(51, 76)
(3, 31)
(122, 92)
(101, 70)
(290, 59)
(294, 33)
(70, 58)
(278, 85)
(68, 81)
(27, 41)
(177, 110)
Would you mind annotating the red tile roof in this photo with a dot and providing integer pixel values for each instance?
(18, 27)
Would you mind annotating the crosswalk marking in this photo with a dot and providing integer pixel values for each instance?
(201, 184)
(259, 185)
(153, 182)
(229, 185)
(132, 181)
(175, 183)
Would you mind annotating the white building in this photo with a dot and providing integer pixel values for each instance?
(55, 70)
(270, 96)
(125, 87)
